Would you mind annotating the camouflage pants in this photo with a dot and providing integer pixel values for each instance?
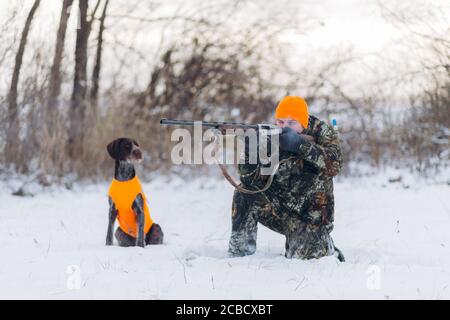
(303, 241)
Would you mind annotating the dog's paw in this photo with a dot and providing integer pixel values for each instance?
(109, 241)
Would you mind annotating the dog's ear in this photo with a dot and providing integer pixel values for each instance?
(112, 149)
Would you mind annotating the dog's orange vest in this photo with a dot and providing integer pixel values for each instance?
(123, 193)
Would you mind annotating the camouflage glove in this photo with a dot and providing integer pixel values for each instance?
(290, 140)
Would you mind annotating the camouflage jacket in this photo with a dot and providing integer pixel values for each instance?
(303, 184)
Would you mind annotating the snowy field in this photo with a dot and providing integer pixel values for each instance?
(395, 236)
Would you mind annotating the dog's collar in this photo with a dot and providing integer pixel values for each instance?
(127, 181)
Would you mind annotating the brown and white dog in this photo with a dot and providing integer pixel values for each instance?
(127, 154)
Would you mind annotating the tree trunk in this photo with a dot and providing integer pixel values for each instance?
(55, 73)
(98, 59)
(12, 134)
(78, 102)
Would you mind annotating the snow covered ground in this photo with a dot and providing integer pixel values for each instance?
(395, 236)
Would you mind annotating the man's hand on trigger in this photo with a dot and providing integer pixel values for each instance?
(291, 140)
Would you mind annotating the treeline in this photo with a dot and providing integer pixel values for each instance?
(211, 62)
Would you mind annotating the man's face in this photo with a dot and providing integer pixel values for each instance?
(288, 122)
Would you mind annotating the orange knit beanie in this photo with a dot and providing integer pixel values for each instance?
(294, 108)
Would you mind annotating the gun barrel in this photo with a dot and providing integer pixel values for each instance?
(208, 124)
(177, 122)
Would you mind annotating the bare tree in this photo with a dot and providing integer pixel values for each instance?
(11, 148)
(425, 126)
(55, 73)
(78, 100)
(98, 58)
(211, 63)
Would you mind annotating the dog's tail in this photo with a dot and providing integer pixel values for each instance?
(339, 255)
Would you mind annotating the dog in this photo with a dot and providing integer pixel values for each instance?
(127, 202)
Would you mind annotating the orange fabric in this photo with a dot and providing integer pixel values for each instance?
(123, 194)
(294, 108)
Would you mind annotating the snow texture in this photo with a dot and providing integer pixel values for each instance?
(395, 236)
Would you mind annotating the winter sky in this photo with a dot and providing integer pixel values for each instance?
(356, 24)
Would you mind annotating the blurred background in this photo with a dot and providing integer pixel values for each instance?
(76, 74)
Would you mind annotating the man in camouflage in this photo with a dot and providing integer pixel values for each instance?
(299, 203)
